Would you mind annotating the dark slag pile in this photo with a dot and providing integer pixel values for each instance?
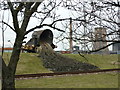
(59, 63)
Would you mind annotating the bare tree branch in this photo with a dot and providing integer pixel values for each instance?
(14, 15)
(113, 3)
(50, 25)
(34, 8)
(28, 12)
(101, 48)
(20, 7)
(8, 25)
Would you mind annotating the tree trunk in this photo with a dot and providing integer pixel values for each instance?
(8, 80)
(8, 72)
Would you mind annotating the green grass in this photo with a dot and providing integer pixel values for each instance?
(75, 81)
(102, 61)
(30, 63)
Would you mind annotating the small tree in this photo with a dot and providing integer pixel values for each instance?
(8, 72)
(27, 9)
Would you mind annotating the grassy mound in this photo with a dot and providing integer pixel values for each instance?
(59, 63)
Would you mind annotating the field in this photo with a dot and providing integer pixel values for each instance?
(30, 63)
(76, 81)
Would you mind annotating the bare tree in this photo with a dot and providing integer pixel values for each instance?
(26, 10)
(8, 72)
(88, 15)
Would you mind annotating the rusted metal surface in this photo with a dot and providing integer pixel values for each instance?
(7, 48)
(66, 73)
(39, 37)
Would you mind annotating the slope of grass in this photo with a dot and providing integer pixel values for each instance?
(30, 63)
(102, 61)
(75, 81)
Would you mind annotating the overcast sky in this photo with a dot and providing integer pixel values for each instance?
(10, 35)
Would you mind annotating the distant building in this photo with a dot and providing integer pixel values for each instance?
(116, 48)
(75, 48)
(100, 40)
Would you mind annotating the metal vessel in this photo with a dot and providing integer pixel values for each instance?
(39, 37)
